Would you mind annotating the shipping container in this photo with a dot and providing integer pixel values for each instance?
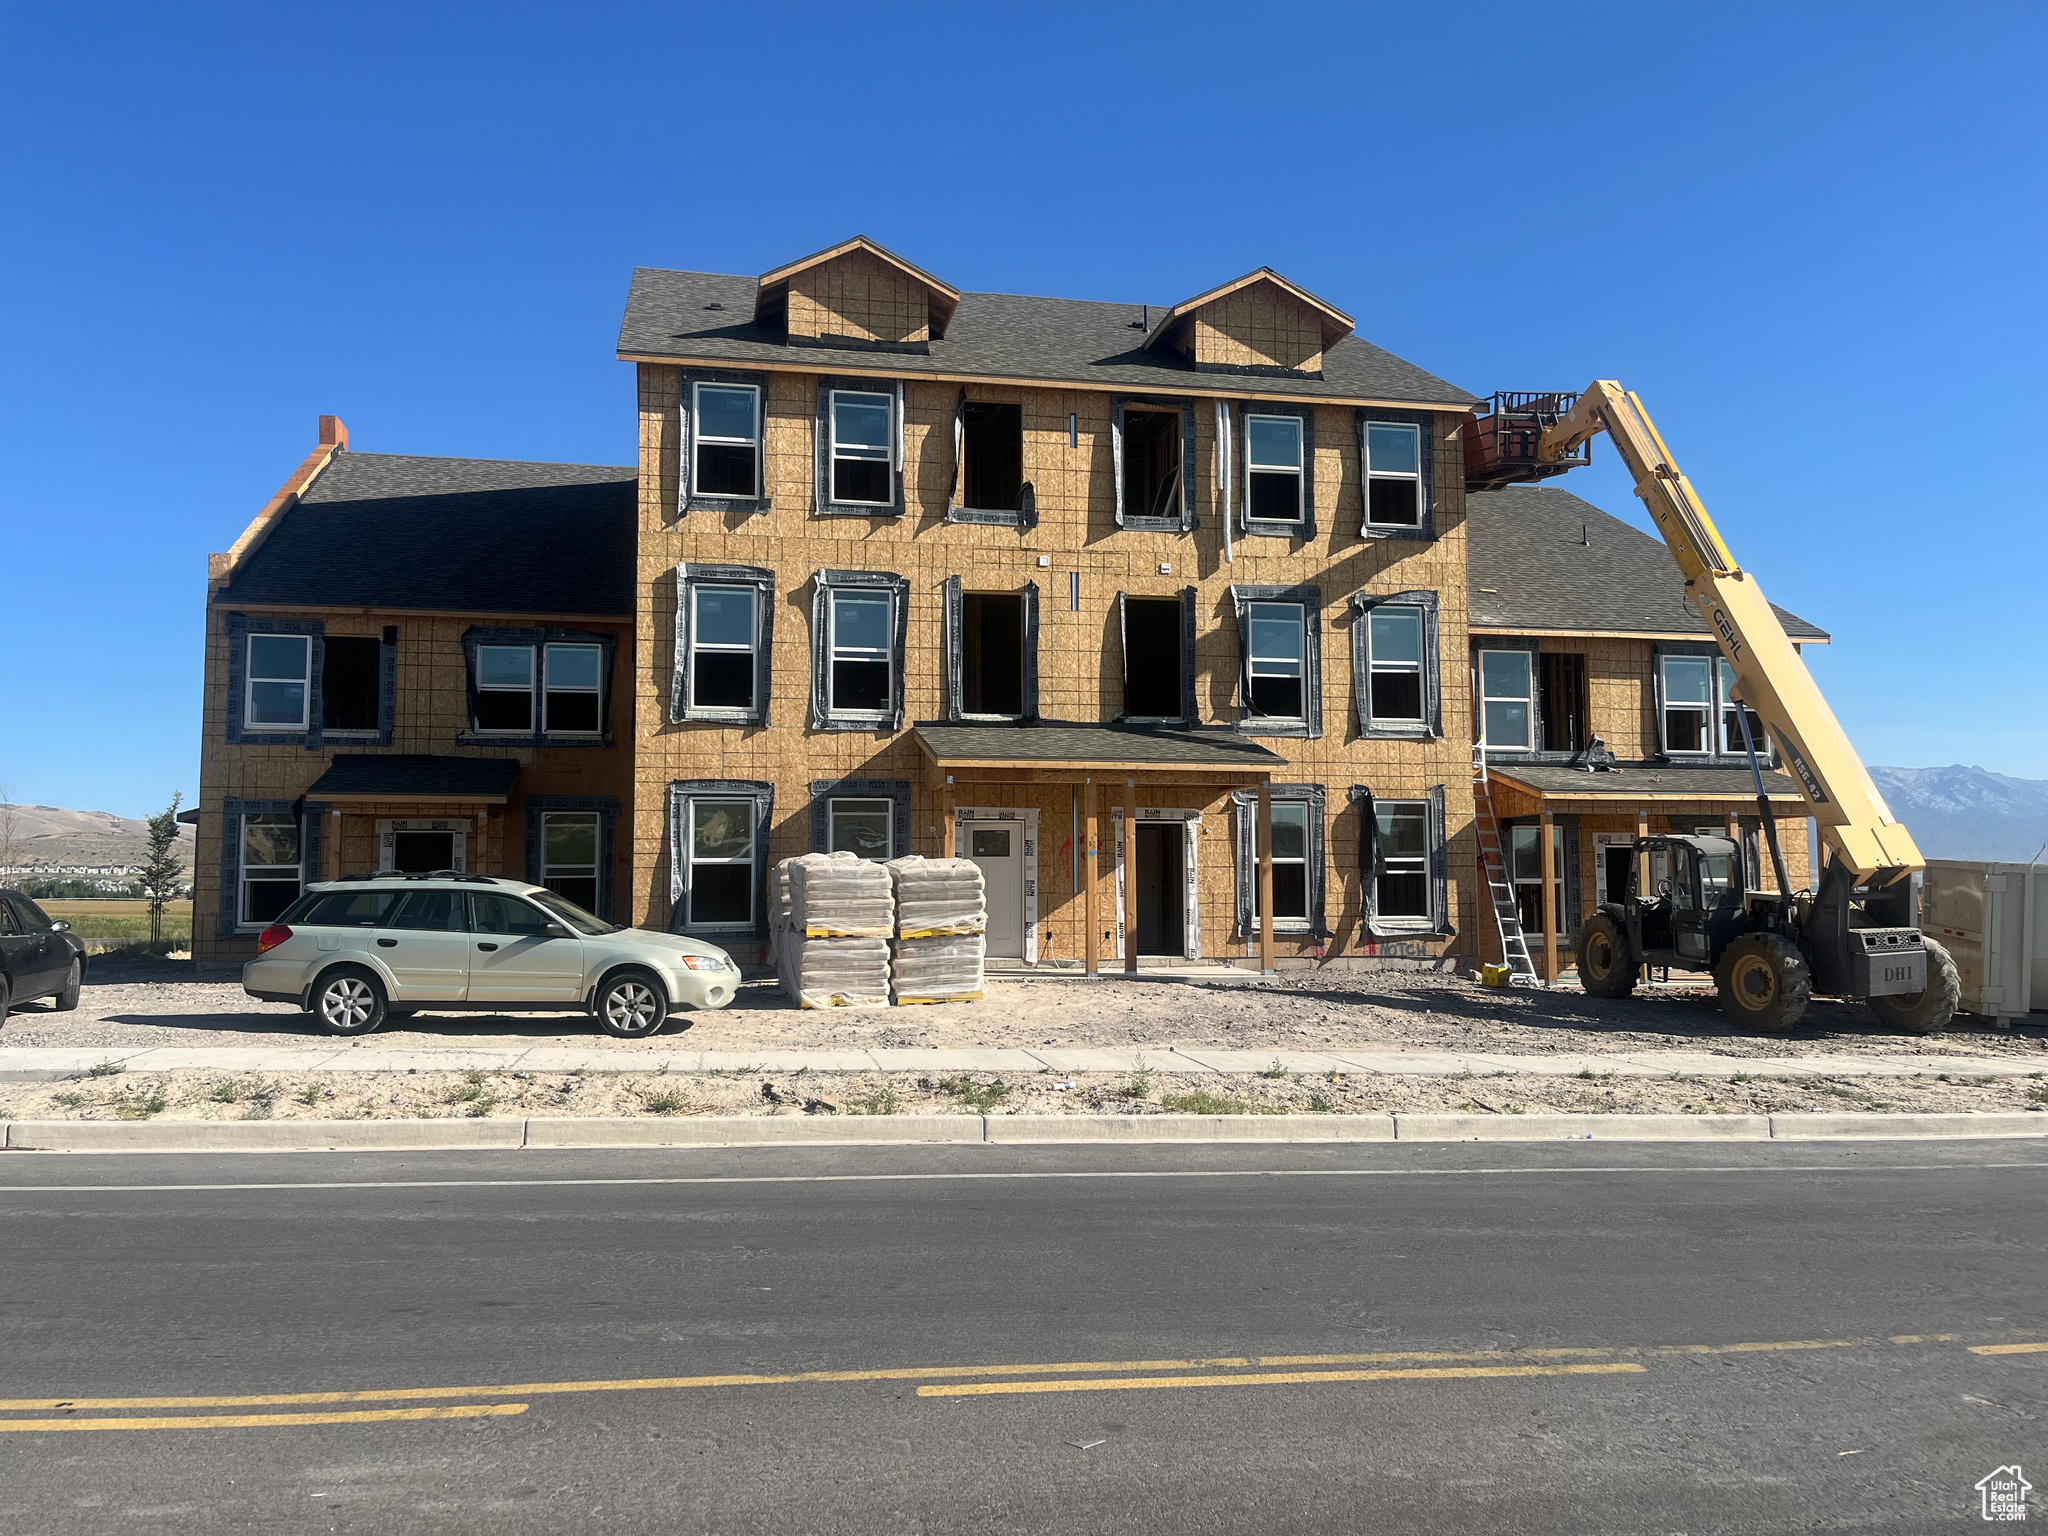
(1993, 918)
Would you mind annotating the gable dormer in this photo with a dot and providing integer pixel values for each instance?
(1261, 323)
(856, 294)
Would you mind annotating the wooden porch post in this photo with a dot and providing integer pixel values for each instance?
(330, 848)
(949, 837)
(479, 861)
(1130, 877)
(1092, 949)
(1642, 859)
(1266, 876)
(1549, 837)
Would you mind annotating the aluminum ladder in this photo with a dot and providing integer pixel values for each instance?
(1507, 915)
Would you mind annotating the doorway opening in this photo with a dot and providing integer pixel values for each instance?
(1621, 861)
(421, 847)
(1160, 889)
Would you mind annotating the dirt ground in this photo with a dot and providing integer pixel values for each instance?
(152, 1002)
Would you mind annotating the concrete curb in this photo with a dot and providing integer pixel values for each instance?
(1008, 1130)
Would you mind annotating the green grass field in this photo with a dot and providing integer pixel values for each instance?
(121, 920)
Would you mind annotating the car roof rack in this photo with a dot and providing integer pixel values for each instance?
(418, 874)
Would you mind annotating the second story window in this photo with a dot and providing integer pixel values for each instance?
(725, 448)
(1275, 659)
(1688, 689)
(723, 631)
(862, 431)
(504, 688)
(992, 452)
(862, 627)
(1732, 714)
(574, 695)
(1505, 698)
(1393, 475)
(351, 677)
(1394, 642)
(1273, 469)
(280, 670)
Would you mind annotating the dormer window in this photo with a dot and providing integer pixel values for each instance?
(1273, 468)
(725, 455)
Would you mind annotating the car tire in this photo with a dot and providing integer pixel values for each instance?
(1606, 969)
(6, 997)
(1927, 1011)
(348, 1000)
(633, 1005)
(67, 995)
(1764, 982)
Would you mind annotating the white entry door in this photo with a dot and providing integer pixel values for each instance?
(999, 849)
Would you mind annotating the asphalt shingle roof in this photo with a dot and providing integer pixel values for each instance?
(1635, 780)
(400, 773)
(1528, 570)
(1054, 741)
(385, 530)
(995, 336)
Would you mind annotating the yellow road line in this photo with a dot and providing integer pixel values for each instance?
(2009, 1349)
(271, 1420)
(1420, 1354)
(1273, 1379)
(1925, 1338)
(1752, 1349)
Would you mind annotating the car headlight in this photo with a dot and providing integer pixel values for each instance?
(704, 963)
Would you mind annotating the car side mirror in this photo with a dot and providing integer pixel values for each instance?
(60, 927)
(554, 931)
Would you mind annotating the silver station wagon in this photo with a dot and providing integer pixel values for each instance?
(355, 952)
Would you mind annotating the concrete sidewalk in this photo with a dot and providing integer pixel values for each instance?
(27, 1064)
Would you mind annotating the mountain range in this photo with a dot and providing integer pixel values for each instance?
(47, 835)
(1962, 812)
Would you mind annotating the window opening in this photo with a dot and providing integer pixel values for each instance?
(1273, 468)
(1152, 467)
(863, 626)
(726, 445)
(1394, 648)
(1526, 850)
(861, 426)
(568, 856)
(1401, 883)
(1153, 664)
(1504, 692)
(351, 682)
(1393, 474)
(279, 666)
(861, 827)
(1290, 862)
(720, 892)
(992, 653)
(575, 682)
(270, 865)
(1688, 699)
(1732, 713)
(992, 438)
(723, 634)
(1564, 702)
(1277, 642)
(504, 688)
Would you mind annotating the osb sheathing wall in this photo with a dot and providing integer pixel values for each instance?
(431, 709)
(1080, 670)
(1260, 327)
(860, 296)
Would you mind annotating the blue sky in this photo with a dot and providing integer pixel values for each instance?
(1810, 237)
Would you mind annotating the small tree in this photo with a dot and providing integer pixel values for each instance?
(160, 881)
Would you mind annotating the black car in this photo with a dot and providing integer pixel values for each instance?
(38, 958)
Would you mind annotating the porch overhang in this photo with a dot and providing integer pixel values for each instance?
(373, 779)
(1557, 787)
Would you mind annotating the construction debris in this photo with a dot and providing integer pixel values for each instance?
(834, 914)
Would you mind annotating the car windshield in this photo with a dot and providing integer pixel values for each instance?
(578, 919)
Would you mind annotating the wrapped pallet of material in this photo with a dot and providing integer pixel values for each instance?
(941, 918)
(834, 913)
(938, 897)
(841, 896)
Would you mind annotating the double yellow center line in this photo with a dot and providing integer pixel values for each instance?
(140, 1413)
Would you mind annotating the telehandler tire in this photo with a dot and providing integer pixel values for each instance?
(1764, 982)
(1927, 1011)
(1606, 968)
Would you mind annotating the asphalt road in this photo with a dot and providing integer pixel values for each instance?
(1128, 1340)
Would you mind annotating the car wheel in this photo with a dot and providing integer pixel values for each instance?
(67, 995)
(631, 1005)
(6, 996)
(348, 1000)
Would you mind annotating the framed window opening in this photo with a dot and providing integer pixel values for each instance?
(1507, 699)
(1397, 469)
(504, 689)
(1396, 669)
(725, 447)
(859, 621)
(862, 430)
(1153, 457)
(1298, 849)
(1686, 689)
(1402, 865)
(991, 653)
(1731, 716)
(988, 466)
(1525, 860)
(351, 684)
(573, 695)
(272, 868)
(725, 617)
(1274, 469)
(861, 826)
(1562, 702)
(1158, 636)
(569, 845)
(718, 856)
(279, 673)
(1276, 660)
